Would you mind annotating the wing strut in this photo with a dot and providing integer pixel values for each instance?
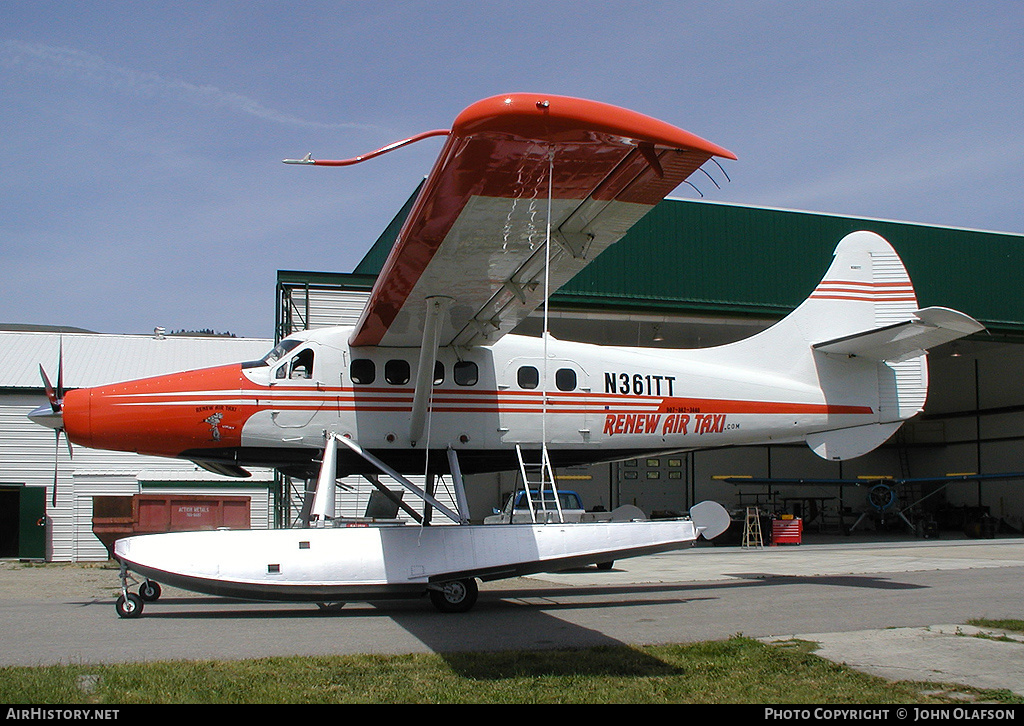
(333, 438)
(436, 307)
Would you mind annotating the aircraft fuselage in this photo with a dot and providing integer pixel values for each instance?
(588, 402)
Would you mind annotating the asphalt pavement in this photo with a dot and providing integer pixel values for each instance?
(943, 652)
(896, 609)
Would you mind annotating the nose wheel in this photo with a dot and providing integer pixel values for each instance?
(149, 591)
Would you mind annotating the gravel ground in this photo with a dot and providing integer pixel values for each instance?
(58, 580)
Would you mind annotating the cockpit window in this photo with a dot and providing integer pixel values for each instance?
(279, 351)
(273, 356)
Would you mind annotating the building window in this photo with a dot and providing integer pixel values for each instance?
(396, 372)
(465, 373)
(363, 371)
(528, 377)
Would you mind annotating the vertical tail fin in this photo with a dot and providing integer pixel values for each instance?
(860, 337)
(866, 287)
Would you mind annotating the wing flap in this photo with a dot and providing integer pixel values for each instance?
(477, 233)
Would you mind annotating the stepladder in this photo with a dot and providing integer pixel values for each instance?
(752, 537)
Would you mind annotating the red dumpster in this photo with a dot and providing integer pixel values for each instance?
(188, 512)
(117, 517)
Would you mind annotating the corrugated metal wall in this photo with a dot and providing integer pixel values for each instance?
(29, 453)
(700, 256)
(726, 258)
(689, 257)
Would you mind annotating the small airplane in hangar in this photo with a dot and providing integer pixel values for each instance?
(527, 190)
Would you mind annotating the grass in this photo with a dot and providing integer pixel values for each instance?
(1011, 624)
(737, 670)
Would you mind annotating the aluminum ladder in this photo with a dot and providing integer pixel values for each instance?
(537, 475)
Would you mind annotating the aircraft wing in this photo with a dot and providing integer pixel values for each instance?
(476, 237)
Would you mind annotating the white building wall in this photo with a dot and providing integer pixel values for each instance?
(30, 454)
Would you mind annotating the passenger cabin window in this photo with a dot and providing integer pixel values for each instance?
(396, 372)
(565, 379)
(363, 371)
(465, 373)
(528, 377)
(438, 373)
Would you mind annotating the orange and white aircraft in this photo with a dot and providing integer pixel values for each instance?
(527, 190)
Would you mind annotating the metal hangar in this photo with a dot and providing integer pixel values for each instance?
(697, 274)
(690, 274)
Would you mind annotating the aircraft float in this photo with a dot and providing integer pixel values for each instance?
(527, 190)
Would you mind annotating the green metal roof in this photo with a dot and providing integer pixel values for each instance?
(726, 259)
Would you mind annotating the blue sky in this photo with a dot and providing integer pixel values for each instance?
(141, 182)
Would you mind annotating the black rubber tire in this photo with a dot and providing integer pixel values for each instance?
(457, 596)
(129, 607)
(149, 591)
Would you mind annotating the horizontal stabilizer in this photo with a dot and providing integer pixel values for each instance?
(928, 328)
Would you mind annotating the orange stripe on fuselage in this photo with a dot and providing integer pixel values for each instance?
(206, 409)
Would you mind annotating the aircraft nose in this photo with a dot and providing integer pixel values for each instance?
(159, 416)
(77, 414)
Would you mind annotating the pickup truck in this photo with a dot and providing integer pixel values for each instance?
(546, 511)
(572, 511)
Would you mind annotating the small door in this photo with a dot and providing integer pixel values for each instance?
(22, 522)
(567, 389)
(32, 543)
(297, 387)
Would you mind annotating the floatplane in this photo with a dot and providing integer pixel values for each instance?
(527, 190)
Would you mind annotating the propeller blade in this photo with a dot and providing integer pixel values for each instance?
(54, 419)
(51, 394)
(60, 371)
(56, 459)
